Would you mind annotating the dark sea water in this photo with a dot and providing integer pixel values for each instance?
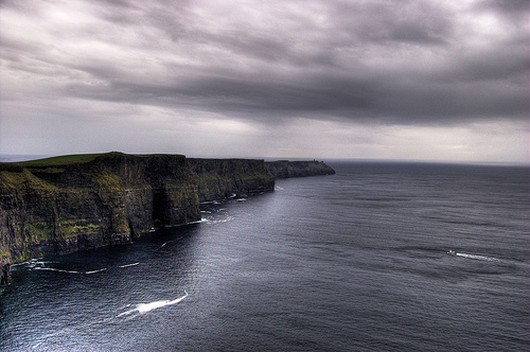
(352, 262)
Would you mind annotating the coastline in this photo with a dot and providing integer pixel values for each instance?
(70, 203)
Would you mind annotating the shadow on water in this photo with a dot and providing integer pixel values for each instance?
(59, 297)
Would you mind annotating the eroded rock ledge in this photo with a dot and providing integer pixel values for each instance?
(66, 204)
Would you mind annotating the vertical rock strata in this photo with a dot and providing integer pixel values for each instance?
(5, 270)
(224, 178)
(57, 207)
(287, 169)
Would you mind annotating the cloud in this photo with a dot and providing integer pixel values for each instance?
(423, 63)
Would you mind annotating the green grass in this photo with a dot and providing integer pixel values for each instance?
(74, 227)
(26, 254)
(4, 253)
(61, 160)
(10, 179)
(24, 178)
(39, 231)
(64, 160)
(108, 181)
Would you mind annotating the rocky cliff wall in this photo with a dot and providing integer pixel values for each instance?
(62, 205)
(65, 204)
(224, 178)
(57, 208)
(286, 169)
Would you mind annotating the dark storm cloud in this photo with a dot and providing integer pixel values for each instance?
(515, 8)
(401, 62)
(418, 22)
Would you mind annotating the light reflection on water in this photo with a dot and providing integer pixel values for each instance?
(357, 261)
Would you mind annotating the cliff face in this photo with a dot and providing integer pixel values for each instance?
(109, 199)
(5, 270)
(224, 178)
(286, 169)
(65, 204)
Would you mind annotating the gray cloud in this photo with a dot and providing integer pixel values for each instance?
(511, 8)
(410, 62)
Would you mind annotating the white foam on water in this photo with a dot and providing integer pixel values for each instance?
(58, 270)
(32, 261)
(95, 271)
(128, 265)
(90, 272)
(143, 308)
(477, 257)
(163, 245)
(42, 263)
(213, 222)
(278, 188)
(126, 313)
(147, 307)
(241, 200)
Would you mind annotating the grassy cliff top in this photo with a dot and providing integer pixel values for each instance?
(64, 160)
(60, 160)
(78, 171)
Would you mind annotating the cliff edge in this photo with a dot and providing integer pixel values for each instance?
(287, 169)
(64, 204)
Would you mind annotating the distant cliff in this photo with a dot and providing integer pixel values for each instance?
(286, 169)
(65, 204)
(224, 178)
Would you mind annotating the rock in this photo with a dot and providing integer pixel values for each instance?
(65, 204)
(5, 271)
(286, 169)
(70, 203)
(230, 178)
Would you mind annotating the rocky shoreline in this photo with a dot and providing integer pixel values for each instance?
(66, 204)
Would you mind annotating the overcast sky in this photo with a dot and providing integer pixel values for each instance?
(388, 79)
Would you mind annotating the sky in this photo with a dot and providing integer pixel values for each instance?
(435, 80)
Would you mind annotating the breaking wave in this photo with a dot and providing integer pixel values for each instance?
(128, 265)
(57, 270)
(219, 221)
(95, 271)
(196, 222)
(143, 308)
(88, 272)
(477, 257)
(29, 262)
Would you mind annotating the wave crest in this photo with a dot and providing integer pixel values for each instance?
(143, 308)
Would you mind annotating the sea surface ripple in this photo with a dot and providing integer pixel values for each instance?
(358, 261)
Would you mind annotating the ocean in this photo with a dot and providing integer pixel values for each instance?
(379, 257)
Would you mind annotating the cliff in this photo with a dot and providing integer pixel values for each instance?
(286, 169)
(65, 204)
(61, 205)
(224, 178)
